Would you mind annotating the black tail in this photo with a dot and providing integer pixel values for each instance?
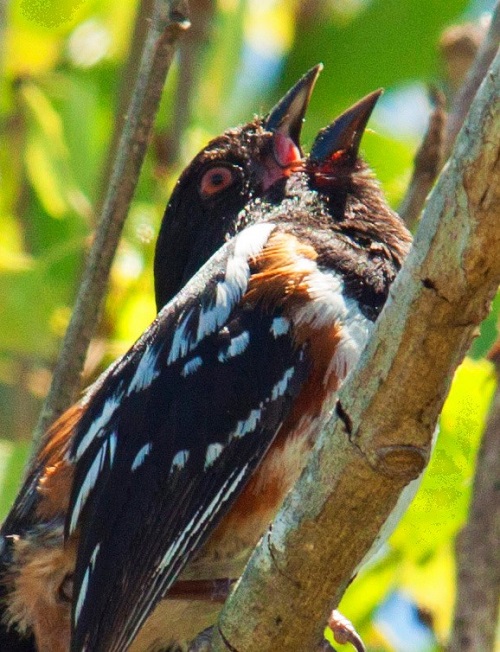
(10, 639)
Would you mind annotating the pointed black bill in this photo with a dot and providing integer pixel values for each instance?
(345, 133)
(288, 114)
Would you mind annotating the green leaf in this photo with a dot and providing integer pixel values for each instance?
(388, 43)
(440, 508)
(488, 331)
(47, 158)
(13, 458)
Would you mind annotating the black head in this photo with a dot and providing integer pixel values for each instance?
(244, 164)
(354, 200)
(335, 203)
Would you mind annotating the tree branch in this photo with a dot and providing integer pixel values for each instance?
(478, 545)
(486, 53)
(428, 163)
(167, 23)
(126, 89)
(442, 130)
(190, 51)
(380, 438)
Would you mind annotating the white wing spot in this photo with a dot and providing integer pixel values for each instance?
(181, 343)
(280, 388)
(198, 520)
(191, 366)
(97, 427)
(85, 583)
(81, 595)
(236, 347)
(141, 456)
(147, 369)
(248, 425)
(251, 241)
(180, 460)
(112, 448)
(330, 307)
(213, 452)
(90, 481)
(280, 326)
(229, 291)
(94, 555)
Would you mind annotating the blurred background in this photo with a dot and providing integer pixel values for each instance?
(66, 70)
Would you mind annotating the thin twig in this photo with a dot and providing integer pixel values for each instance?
(428, 162)
(190, 51)
(478, 544)
(126, 88)
(442, 130)
(465, 95)
(167, 24)
(380, 438)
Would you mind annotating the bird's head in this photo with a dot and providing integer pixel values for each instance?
(347, 189)
(245, 164)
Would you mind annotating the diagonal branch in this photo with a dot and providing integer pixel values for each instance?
(380, 438)
(167, 24)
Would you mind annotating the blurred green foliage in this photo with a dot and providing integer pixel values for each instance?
(62, 76)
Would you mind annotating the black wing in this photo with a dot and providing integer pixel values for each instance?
(169, 440)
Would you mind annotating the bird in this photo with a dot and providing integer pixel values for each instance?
(163, 478)
(243, 164)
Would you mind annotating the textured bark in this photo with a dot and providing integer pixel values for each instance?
(380, 438)
(167, 23)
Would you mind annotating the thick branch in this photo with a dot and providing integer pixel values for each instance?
(478, 546)
(381, 437)
(167, 23)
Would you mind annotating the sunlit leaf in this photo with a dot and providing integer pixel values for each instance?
(30, 52)
(44, 177)
(52, 15)
(489, 331)
(440, 507)
(47, 158)
(391, 160)
(13, 457)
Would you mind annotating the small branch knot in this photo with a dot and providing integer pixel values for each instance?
(404, 462)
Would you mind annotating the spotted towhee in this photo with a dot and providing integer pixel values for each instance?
(148, 496)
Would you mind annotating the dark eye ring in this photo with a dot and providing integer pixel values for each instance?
(216, 179)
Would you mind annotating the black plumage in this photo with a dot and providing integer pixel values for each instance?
(269, 284)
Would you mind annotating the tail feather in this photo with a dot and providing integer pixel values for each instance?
(10, 638)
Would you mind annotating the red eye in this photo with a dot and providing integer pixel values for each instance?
(215, 180)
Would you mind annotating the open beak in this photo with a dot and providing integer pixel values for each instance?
(287, 116)
(343, 136)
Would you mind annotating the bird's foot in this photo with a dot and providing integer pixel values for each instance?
(344, 631)
(203, 642)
